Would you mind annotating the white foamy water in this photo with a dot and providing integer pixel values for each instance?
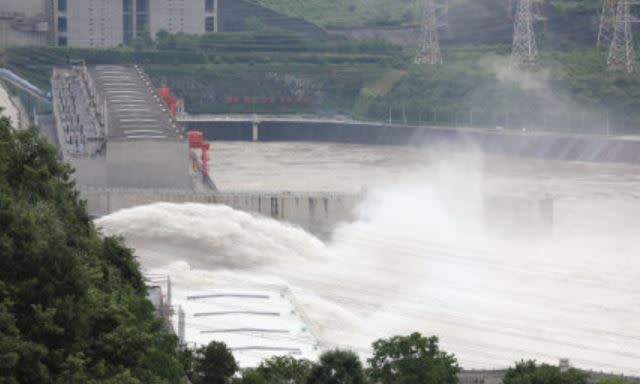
(418, 259)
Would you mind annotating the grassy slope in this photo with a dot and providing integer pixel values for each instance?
(348, 13)
(353, 13)
(368, 80)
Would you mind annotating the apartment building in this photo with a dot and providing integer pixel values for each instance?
(101, 23)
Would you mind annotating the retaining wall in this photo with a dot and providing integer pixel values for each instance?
(318, 213)
(503, 142)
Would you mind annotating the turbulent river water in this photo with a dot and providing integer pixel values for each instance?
(419, 257)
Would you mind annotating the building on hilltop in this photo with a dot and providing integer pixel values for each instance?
(112, 23)
(108, 23)
(101, 23)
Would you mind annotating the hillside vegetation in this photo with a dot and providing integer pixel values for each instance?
(272, 71)
(72, 304)
(348, 13)
(358, 13)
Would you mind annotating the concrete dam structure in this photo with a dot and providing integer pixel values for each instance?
(317, 212)
(128, 151)
(545, 145)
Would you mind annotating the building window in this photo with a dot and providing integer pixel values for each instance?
(62, 24)
(62, 41)
(62, 5)
(209, 5)
(142, 17)
(210, 24)
(127, 21)
(127, 28)
(142, 6)
(142, 23)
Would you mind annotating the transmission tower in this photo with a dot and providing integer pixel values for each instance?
(435, 15)
(525, 50)
(607, 22)
(621, 52)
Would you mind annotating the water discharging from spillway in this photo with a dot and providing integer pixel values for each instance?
(419, 258)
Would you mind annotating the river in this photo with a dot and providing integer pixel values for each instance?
(418, 257)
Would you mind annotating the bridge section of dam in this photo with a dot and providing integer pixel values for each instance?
(546, 145)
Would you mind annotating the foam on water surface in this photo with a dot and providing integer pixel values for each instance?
(419, 259)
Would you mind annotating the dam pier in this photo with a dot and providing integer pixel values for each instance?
(127, 145)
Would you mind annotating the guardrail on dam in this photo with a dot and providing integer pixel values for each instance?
(547, 145)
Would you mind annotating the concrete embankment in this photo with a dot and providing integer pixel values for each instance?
(316, 212)
(553, 146)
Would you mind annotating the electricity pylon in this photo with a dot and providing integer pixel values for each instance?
(524, 52)
(621, 52)
(607, 22)
(435, 15)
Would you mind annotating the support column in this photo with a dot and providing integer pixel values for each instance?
(255, 134)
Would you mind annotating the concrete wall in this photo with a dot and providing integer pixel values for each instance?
(30, 8)
(24, 22)
(539, 145)
(94, 23)
(315, 212)
(89, 171)
(148, 164)
(175, 16)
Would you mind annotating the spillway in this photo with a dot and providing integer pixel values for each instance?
(420, 258)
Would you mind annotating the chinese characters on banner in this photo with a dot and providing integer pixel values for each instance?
(282, 100)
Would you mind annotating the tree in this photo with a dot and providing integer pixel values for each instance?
(285, 370)
(528, 372)
(337, 367)
(412, 359)
(72, 303)
(214, 364)
(614, 380)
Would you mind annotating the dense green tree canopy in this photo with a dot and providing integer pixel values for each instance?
(412, 359)
(213, 364)
(337, 367)
(72, 304)
(528, 372)
(285, 370)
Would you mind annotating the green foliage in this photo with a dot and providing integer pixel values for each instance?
(614, 380)
(337, 367)
(528, 372)
(285, 370)
(348, 13)
(72, 304)
(278, 370)
(213, 364)
(412, 359)
(576, 5)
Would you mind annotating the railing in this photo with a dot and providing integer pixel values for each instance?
(25, 85)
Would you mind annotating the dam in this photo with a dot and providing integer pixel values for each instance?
(533, 144)
(377, 232)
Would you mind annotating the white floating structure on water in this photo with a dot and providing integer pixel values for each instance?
(254, 323)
